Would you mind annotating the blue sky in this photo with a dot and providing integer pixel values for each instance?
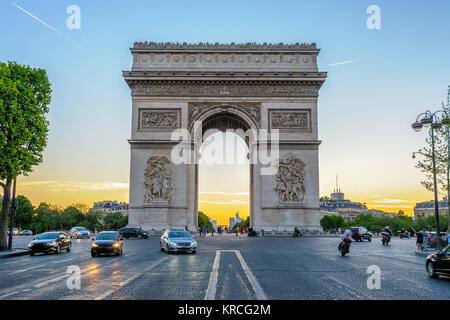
(365, 107)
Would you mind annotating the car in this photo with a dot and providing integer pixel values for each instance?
(430, 241)
(439, 263)
(46, 242)
(360, 234)
(25, 233)
(15, 231)
(177, 241)
(133, 233)
(79, 232)
(107, 242)
(403, 234)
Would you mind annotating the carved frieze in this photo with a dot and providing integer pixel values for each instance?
(158, 179)
(159, 119)
(290, 180)
(290, 119)
(252, 110)
(208, 89)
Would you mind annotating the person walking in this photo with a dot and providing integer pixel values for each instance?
(262, 232)
(419, 240)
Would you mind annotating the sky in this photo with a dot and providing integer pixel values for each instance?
(366, 105)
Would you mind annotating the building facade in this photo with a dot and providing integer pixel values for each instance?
(108, 206)
(426, 209)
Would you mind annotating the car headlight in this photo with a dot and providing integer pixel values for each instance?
(30, 245)
(172, 243)
(116, 245)
(53, 244)
(94, 245)
(193, 243)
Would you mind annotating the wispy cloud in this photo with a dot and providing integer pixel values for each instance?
(391, 206)
(75, 186)
(225, 193)
(387, 200)
(343, 62)
(232, 202)
(45, 24)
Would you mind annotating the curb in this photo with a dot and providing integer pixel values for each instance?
(13, 253)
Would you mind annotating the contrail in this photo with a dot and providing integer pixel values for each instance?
(45, 24)
(339, 63)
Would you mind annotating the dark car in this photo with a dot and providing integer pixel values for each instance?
(133, 233)
(360, 234)
(107, 242)
(439, 263)
(50, 242)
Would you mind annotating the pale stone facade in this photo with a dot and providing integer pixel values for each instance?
(225, 86)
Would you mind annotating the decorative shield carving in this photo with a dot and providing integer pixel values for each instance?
(158, 179)
(290, 180)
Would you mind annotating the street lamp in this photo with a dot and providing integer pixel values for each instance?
(428, 119)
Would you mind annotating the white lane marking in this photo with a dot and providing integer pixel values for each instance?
(65, 260)
(31, 268)
(212, 285)
(260, 295)
(8, 294)
(44, 283)
(126, 282)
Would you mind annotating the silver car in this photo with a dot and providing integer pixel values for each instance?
(79, 232)
(176, 241)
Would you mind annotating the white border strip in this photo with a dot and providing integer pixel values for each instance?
(260, 295)
(212, 285)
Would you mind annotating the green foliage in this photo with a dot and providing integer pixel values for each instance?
(332, 222)
(24, 213)
(203, 220)
(25, 94)
(114, 221)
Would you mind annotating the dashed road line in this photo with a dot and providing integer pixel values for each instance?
(8, 294)
(31, 268)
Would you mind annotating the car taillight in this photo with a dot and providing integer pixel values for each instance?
(428, 234)
(358, 233)
(384, 236)
(431, 239)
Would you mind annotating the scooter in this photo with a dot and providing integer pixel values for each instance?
(344, 246)
(297, 234)
(386, 238)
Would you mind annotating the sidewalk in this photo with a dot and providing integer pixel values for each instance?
(13, 253)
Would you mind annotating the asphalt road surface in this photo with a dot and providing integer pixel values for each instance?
(225, 267)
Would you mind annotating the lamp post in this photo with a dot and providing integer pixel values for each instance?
(429, 119)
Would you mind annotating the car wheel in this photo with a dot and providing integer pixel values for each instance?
(160, 246)
(370, 239)
(194, 252)
(93, 254)
(58, 249)
(167, 249)
(31, 253)
(69, 247)
(430, 270)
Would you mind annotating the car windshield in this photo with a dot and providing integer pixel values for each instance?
(48, 236)
(107, 236)
(179, 234)
(80, 229)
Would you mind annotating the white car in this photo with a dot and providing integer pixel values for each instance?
(25, 233)
(79, 232)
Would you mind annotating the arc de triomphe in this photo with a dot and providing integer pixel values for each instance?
(271, 88)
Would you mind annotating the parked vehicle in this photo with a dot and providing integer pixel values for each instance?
(177, 240)
(344, 246)
(360, 234)
(50, 242)
(439, 263)
(79, 232)
(133, 233)
(107, 242)
(385, 238)
(15, 231)
(25, 233)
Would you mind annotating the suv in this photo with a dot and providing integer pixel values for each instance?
(133, 233)
(360, 234)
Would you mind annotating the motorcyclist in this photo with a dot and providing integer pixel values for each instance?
(297, 232)
(347, 237)
(388, 231)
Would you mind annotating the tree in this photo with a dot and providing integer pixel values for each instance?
(332, 222)
(24, 213)
(243, 224)
(203, 220)
(25, 94)
(115, 221)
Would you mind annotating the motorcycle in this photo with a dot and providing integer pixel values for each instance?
(386, 238)
(297, 234)
(344, 246)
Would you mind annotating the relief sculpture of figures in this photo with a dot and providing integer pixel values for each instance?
(156, 119)
(157, 179)
(290, 185)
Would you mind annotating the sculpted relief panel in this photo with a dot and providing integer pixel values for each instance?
(290, 119)
(159, 119)
(290, 180)
(158, 179)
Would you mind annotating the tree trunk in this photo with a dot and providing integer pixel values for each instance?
(4, 215)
